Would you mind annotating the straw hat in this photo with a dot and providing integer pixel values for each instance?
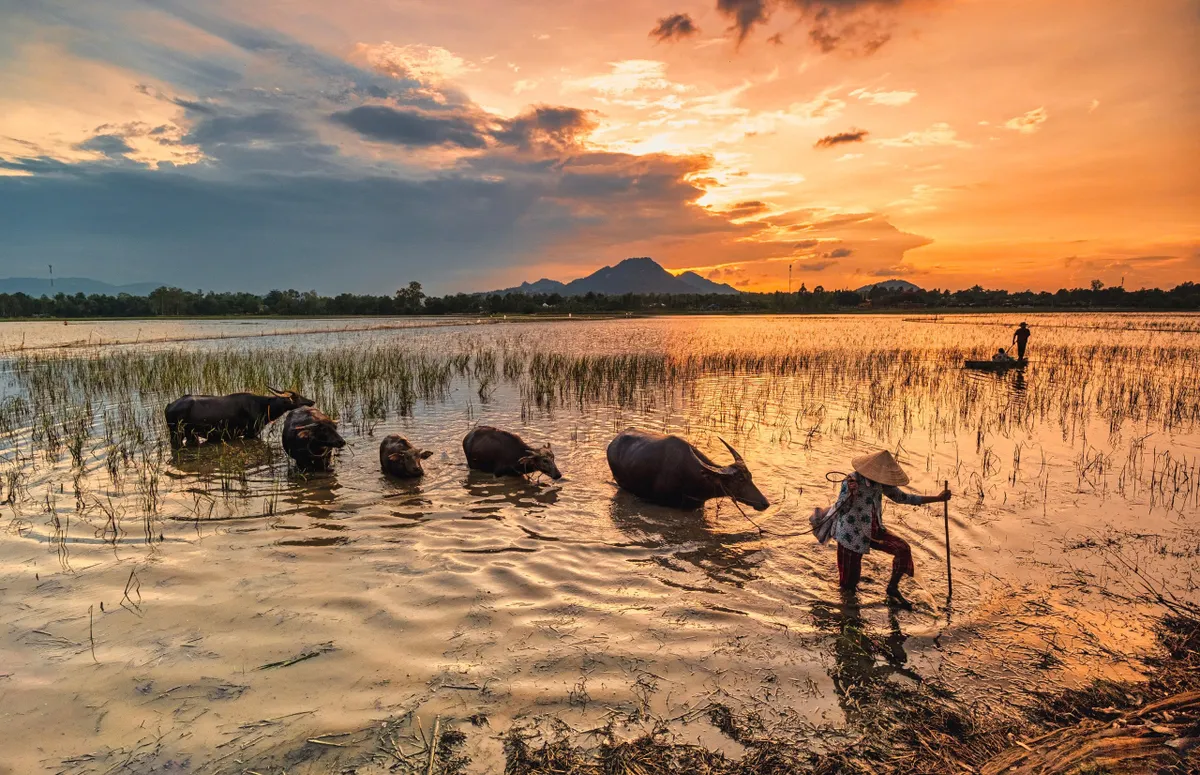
(880, 467)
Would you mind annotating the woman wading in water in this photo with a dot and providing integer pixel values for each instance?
(858, 524)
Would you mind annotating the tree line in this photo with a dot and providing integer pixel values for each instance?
(411, 300)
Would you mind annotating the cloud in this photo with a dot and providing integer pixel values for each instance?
(526, 84)
(841, 138)
(839, 253)
(849, 157)
(547, 128)
(413, 127)
(674, 27)
(429, 64)
(1028, 123)
(111, 145)
(628, 76)
(937, 134)
(833, 23)
(747, 209)
(809, 265)
(890, 98)
(745, 14)
(215, 129)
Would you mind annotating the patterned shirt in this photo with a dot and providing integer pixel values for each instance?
(857, 512)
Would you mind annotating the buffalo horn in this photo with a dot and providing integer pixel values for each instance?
(736, 457)
(706, 466)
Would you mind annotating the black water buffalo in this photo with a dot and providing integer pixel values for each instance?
(669, 471)
(240, 415)
(310, 437)
(397, 457)
(498, 452)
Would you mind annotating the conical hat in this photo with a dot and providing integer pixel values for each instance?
(880, 467)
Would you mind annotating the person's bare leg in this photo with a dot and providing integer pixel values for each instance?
(893, 590)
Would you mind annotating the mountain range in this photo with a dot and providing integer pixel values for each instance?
(40, 286)
(633, 275)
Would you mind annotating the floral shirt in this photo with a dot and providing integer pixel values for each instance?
(857, 512)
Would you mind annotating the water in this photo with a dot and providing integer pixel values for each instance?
(461, 596)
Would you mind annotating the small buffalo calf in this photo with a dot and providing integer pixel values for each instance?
(399, 458)
(310, 437)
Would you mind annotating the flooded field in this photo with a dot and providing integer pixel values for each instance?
(213, 610)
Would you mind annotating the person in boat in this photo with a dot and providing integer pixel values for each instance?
(1020, 339)
(858, 526)
(1001, 357)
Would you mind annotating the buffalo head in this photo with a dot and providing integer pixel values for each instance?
(321, 434)
(541, 459)
(408, 461)
(735, 480)
(283, 401)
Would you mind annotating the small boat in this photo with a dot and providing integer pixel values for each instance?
(990, 365)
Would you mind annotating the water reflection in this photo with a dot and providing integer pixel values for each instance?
(313, 493)
(489, 495)
(232, 458)
(858, 677)
(728, 558)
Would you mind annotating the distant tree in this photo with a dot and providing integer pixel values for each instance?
(1097, 286)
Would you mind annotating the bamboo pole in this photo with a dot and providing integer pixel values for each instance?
(946, 520)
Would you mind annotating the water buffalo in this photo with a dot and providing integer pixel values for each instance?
(310, 437)
(240, 415)
(397, 457)
(669, 471)
(502, 453)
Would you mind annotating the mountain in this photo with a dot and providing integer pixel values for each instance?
(541, 286)
(904, 286)
(38, 286)
(633, 275)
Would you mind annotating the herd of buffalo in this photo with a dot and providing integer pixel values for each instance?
(666, 470)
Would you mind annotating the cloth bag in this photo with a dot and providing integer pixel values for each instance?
(823, 521)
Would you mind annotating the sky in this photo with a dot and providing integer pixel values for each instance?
(356, 146)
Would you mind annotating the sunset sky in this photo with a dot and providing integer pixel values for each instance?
(354, 146)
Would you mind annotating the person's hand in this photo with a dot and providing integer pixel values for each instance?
(943, 496)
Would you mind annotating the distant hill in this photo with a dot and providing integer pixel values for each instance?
(633, 275)
(903, 286)
(38, 286)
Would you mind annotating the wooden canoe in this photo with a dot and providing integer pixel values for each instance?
(994, 365)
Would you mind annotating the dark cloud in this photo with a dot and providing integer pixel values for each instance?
(746, 14)
(812, 266)
(269, 125)
(111, 145)
(852, 136)
(807, 244)
(542, 128)
(833, 23)
(546, 128)
(413, 127)
(674, 27)
(747, 209)
(838, 253)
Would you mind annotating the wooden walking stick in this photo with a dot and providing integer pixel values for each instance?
(946, 519)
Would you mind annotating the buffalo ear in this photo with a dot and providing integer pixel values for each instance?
(527, 460)
(426, 454)
(394, 456)
(304, 434)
